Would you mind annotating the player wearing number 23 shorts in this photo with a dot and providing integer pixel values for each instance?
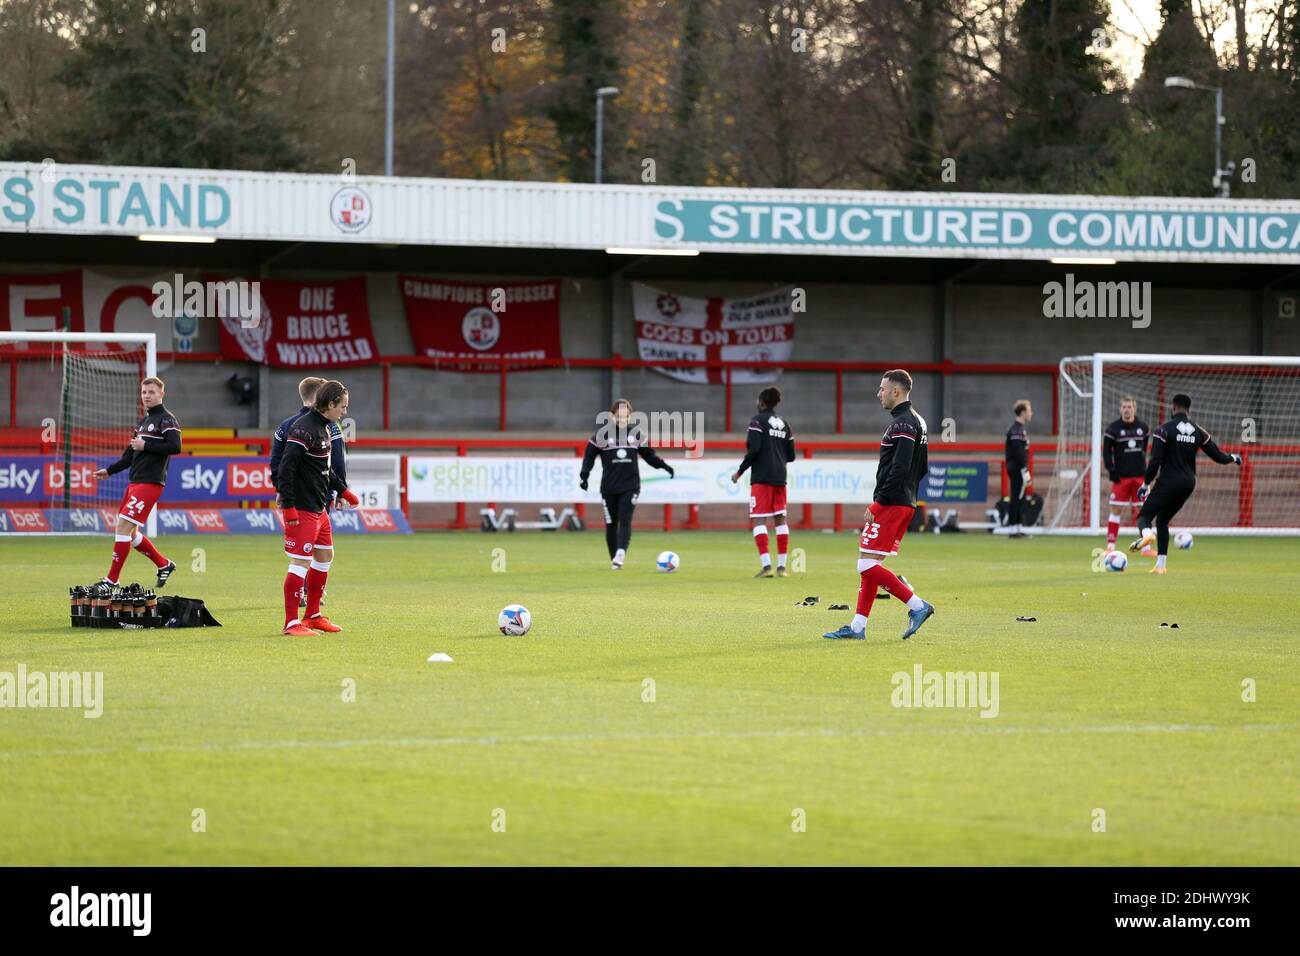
(904, 461)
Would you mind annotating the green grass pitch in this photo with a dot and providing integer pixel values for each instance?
(754, 717)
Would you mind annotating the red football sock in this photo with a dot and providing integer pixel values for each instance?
(760, 539)
(1112, 529)
(292, 585)
(782, 538)
(315, 585)
(887, 579)
(866, 595)
(146, 547)
(121, 548)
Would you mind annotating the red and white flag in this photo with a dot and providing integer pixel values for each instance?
(319, 324)
(510, 320)
(670, 327)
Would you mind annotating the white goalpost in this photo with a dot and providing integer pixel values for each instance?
(73, 398)
(1249, 404)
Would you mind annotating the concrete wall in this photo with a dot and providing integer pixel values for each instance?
(895, 324)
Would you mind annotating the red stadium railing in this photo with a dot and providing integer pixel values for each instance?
(505, 367)
(1252, 456)
(28, 441)
(462, 447)
(619, 363)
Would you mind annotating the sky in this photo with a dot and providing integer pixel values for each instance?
(1135, 23)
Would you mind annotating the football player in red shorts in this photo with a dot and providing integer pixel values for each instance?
(307, 484)
(157, 437)
(769, 445)
(1124, 456)
(904, 461)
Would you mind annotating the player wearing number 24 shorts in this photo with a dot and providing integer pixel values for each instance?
(156, 438)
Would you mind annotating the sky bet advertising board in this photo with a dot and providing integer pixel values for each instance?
(192, 480)
(206, 487)
(196, 521)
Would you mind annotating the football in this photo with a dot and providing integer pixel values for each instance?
(1116, 561)
(667, 561)
(1183, 539)
(514, 620)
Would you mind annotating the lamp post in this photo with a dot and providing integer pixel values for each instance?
(601, 93)
(388, 98)
(1221, 181)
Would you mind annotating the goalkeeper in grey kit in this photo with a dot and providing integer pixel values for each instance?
(618, 446)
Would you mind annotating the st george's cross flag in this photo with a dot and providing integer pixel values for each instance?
(671, 327)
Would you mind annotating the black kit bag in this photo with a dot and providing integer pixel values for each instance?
(1031, 509)
(177, 611)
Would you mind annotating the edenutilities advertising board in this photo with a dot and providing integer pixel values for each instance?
(555, 479)
(36, 479)
(547, 480)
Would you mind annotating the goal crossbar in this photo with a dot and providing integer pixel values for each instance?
(148, 339)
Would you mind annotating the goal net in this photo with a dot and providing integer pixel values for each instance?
(1249, 404)
(69, 405)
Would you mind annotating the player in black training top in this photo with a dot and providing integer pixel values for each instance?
(307, 484)
(1017, 456)
(904, 461)
(1124, 456)
(1173, 469)
(769, 446)
(307, 390)
(618, 444)
(156, 439)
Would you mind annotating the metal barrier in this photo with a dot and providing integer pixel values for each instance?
(504, 367)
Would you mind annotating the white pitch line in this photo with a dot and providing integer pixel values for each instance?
(617, 738)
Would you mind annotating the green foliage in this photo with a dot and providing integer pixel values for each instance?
(583, 42)
(1024, 94)
(152, 99)
(171, 83)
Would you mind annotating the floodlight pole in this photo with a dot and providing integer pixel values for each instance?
(1222, 185)
(601, 93)
(1220, 180)
(388, 99)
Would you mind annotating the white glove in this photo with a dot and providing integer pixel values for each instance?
(1237, 459)
(1025, 479)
